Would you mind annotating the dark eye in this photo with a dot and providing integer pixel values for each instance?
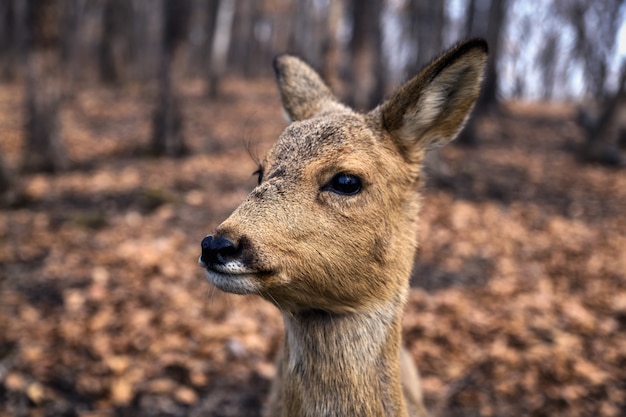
(259, 174)
(344, 184)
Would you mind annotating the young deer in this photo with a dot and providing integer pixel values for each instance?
(329, 234)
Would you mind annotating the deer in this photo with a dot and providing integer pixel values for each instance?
(329, 234)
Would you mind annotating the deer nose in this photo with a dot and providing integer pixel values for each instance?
(217, 250)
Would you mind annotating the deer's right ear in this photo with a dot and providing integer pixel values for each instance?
(302, 91)
(433, 106)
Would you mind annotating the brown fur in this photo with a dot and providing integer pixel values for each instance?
(337, 266)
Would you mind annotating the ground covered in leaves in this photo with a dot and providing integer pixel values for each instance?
(518, 305)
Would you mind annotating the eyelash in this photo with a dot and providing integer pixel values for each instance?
(259, 174)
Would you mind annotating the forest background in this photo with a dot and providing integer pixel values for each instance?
(126, 128)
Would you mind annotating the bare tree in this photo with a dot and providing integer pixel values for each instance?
(221, 43)
(470, 18)
(488, 100)
(605, 127)
(332, 52)
(6, 181)
(9, 39)
(425, 28)
(200, 31)
(603, 117)
(367, 77)
(141, 53)
(73, 14)
(44, 150)
(548, 62)
(300, 33)
(594, 43)
(117, 19)
(167, 133)
(245, 23)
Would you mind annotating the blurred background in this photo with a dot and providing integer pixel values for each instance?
(561, 51)
(129, 130)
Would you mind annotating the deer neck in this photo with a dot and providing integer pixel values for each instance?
(342, 365)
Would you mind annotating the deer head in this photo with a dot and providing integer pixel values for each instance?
(332, 224)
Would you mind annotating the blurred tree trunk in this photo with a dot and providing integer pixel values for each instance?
(286, 19)
(301, 13)
(309, 30)
(9, 39)
(366, 71)
(594, 43)
(488, 101)
(470, 18)
(167, 128)
(72, 16)
(331, 48)
(141, 50)
(108, 62)
(6, 180)
(604, 131)
(426, 31)
(548, 60)
(43, 149)
(245, 23)
(209, 22)
(221, 44)
(260, 35)
(11, 190)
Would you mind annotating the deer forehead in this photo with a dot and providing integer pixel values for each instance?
(333, 141)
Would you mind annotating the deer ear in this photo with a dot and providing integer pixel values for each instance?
(433, 106)
(302, 91)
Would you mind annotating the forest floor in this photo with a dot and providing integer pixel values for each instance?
(518, 302)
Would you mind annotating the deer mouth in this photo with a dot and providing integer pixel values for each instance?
(233, 277)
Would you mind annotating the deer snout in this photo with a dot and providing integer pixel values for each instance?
(218, 250)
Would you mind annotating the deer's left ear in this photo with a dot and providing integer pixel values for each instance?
(302, 91)
(432, 107)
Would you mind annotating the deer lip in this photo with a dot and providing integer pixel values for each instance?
(233, 277)
(233, 268)
(239, 283)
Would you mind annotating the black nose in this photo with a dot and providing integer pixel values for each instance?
(217, 250)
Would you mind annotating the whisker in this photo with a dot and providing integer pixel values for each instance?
(249, 144)
(269, 295)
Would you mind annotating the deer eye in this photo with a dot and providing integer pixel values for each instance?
(344, 184)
